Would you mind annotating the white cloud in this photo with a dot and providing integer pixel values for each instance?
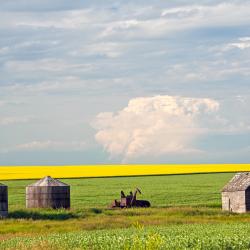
(51, 145)
(4, 121)
(133, 20)
(219, 14)
(107, 49)
(2, 103)
(4, 50)
(114, 27)
(71, 19)
(60, 85)
(50, 65)
(207, 71)
(179, 19)
(154, 126)
(242, 44)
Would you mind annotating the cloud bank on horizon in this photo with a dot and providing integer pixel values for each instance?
(145, 81)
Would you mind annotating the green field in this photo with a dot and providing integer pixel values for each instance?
(185, 207)
(162, 191)
(194, 236)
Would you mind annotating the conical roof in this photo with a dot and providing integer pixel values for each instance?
(240, 182)
(48, 181)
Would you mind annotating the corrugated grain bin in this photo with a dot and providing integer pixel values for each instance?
(48, 193)
(3, 200)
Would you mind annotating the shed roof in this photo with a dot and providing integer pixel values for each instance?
(240, 182)
(48, 181)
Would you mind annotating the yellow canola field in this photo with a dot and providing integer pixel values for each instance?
(35, 172)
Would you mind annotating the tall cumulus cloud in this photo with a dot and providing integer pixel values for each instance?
(155, 126)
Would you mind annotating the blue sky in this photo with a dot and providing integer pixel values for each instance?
(124, 82)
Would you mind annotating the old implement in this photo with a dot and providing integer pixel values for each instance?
(130, 200)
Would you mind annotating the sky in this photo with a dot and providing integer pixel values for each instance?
(99, 82)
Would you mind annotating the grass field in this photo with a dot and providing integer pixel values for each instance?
(33, 172)
(184, 207)
(190, 190)
(194, 236)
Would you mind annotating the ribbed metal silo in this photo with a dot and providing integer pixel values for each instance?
(48, 193)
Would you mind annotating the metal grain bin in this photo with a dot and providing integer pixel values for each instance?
(48, 193)
(3, 200)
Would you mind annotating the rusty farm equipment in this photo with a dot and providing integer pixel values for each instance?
(128, 201)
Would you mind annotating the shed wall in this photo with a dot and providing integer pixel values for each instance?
(234, 201)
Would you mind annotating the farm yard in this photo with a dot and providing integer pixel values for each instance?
(124, 125)
(185, 213)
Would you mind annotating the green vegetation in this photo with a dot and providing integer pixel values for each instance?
(185, 213)
(218, 236)
(162, 191)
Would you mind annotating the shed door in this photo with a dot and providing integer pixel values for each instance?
(229, 204)
(248, 199)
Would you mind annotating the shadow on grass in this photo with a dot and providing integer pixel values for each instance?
(96, 210)
(37, 215)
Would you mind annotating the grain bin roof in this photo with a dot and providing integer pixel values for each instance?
(48, 181)
(240, 182)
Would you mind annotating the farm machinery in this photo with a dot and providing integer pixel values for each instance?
(128, 201)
